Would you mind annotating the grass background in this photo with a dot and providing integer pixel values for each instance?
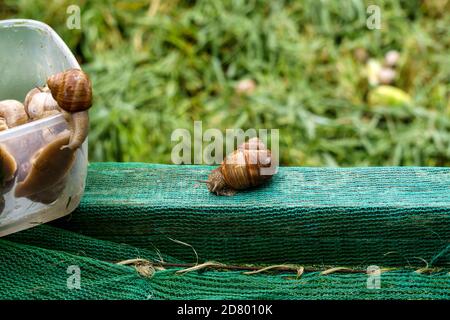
(160, 65)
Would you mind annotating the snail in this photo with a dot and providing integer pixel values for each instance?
(12, 114)
(49, 166)
(8, 166)
(242, 169)
(31, 94)
(50, 195)
(39, 103)
(8, 169)
(72, 90)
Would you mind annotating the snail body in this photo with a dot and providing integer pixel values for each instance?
(50, 195)
(49, 166)
(72, 90)
(8, 166)
(8, 170)
(12, 114)
(79, 126)
(241, 169)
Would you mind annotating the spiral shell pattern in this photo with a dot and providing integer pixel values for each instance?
(241, 169)
(72, 90)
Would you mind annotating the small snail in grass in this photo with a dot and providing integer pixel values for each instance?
(72, 90)
(248, 166)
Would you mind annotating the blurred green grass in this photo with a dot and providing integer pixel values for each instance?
(160, 65)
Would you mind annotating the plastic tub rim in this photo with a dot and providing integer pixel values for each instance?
(38, 25)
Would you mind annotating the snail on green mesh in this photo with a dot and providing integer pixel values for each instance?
(242, 169)
(72, 90)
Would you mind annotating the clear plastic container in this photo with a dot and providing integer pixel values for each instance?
(30, 51)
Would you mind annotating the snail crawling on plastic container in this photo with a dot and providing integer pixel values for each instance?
(248, 166)
(69, 91)
(72, 90)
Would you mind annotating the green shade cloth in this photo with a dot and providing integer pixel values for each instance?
(321, 217)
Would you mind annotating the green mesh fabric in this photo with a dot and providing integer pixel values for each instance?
(321, 217)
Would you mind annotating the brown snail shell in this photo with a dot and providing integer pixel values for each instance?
(241, 169)
(31, 94)
(41, 105)
(12, 114)
(72, 90)
(3, 124)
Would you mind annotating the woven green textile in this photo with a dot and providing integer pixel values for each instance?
(321, 217)
(35, 273)
(387, 216)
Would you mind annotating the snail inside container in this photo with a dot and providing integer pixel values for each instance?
(37, 166)
(43, 159)
(68, 92)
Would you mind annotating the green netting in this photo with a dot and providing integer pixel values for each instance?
(398, 217)
(32, 272)
(387, 216)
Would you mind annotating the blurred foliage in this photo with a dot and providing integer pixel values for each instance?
(160, 65)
